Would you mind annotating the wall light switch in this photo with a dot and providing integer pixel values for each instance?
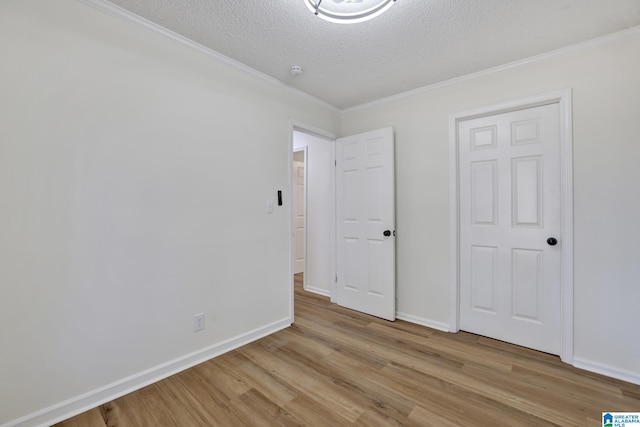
(269, 206)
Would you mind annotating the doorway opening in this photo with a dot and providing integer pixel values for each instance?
(312, 215)
(348, 198)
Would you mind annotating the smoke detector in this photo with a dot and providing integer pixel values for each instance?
(296, 70)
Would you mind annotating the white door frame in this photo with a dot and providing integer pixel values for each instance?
(563, 98)
(295, 125)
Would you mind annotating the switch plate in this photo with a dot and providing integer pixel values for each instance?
(269, 206)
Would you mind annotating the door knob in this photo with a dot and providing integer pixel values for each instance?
(552, 241)
(386, 233)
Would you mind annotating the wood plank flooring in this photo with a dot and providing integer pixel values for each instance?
(336, 367)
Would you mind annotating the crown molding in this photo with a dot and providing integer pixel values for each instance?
(127, 16)
(501, 68)
(130, 17)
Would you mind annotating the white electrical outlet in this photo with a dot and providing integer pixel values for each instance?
(198, 322)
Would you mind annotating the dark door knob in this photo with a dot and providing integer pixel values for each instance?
(386, 233)
(552, 241)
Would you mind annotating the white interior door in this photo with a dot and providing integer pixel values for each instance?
(509, 207)
(298, 217)
(365, 212)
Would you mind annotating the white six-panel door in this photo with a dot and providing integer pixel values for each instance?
(298, 217)
(509, 205)
(365, 209)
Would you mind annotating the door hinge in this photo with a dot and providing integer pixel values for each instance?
(335, 163)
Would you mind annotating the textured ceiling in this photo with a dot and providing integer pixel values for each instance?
(414, 44)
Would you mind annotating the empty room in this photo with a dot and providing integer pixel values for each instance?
(306, 212)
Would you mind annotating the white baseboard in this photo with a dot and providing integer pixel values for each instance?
(422, 321)
(94, 398)
(587, 365)
(319, 291)
(609, 371)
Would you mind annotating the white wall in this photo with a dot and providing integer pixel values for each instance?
(133, 178)
(320, 194)
(606, 108)
(128, 202)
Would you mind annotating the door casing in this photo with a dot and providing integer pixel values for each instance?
(563, 98)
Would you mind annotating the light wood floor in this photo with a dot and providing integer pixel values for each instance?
(335, 367)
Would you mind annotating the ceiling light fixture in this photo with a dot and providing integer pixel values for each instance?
(348, 11)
